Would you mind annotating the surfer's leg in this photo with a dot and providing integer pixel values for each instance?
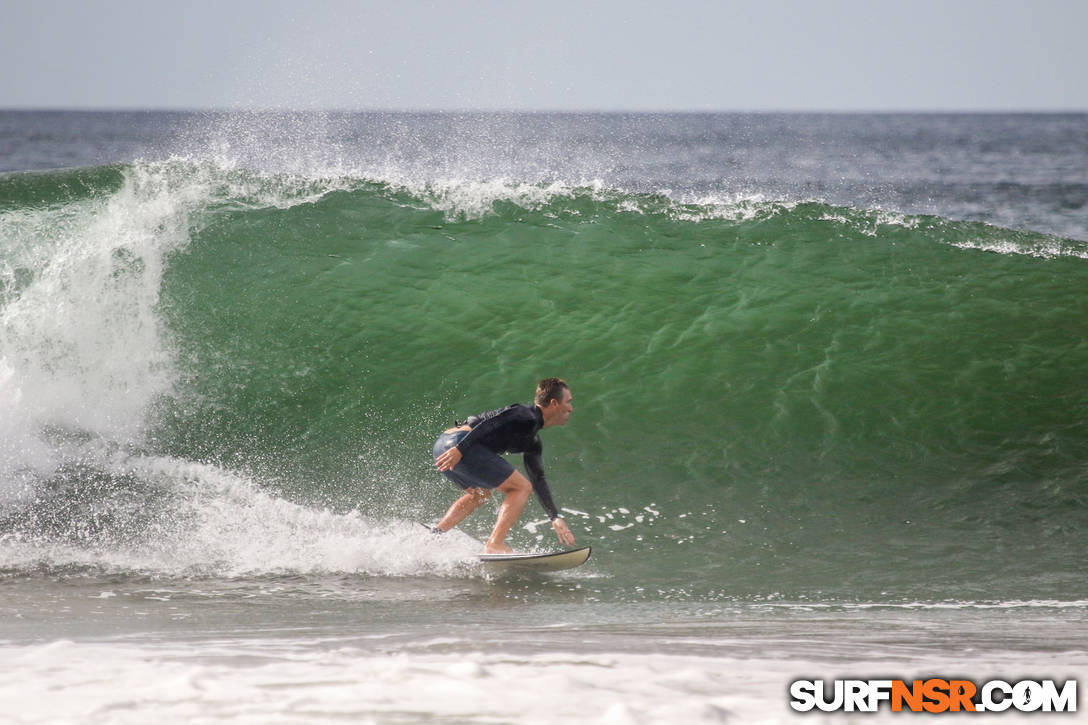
(516, 489)
(462, 507)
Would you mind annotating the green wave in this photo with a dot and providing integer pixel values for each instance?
(766, 340)
(806, 392)
(31, 190)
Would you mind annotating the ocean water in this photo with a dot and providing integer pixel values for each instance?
(829, 377)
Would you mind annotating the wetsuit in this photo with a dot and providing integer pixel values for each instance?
(513, 429)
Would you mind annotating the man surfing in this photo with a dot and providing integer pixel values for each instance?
(470, 456)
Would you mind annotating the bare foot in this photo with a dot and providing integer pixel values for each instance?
(497, 549)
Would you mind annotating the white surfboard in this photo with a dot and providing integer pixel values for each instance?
(552, 561)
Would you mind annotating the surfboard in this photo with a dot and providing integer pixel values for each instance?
(551, 561)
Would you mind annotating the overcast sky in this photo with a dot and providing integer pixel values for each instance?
(546, 55)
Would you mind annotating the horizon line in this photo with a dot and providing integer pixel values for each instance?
(545, 111)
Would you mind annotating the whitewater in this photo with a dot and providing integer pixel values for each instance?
(829, 422)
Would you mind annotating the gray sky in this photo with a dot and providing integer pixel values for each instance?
(547, 55)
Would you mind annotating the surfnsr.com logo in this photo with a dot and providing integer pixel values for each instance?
(934, 695)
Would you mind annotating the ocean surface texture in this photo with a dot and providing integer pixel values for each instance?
(830, 411)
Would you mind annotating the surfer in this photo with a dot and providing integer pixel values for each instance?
(470, 456)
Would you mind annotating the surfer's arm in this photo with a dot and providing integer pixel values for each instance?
(449, 459)
(534, 466)
(479, 426)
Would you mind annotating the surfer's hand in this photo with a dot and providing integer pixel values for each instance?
(563, 532)
(448, 460)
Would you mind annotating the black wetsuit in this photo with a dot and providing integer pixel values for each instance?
(514, 429)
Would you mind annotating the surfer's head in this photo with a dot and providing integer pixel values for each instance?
(554, 400)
